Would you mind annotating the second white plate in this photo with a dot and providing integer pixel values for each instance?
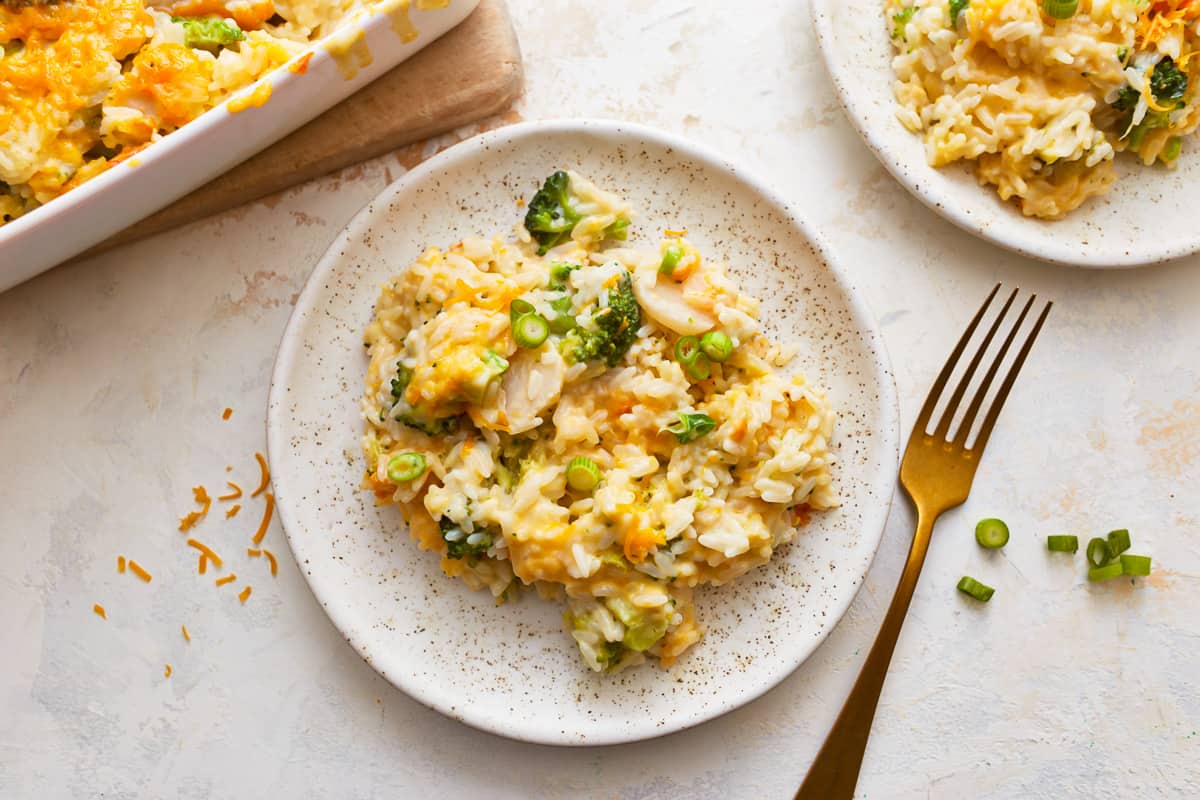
(1147, 216)
(512, 669)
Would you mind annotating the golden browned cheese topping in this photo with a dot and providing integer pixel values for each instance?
(59, 61)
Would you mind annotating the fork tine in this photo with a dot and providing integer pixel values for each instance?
(960, 437)
(993, 414)
(948, 414)
(943, 376)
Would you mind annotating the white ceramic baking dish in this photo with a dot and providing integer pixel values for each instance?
(369, 44)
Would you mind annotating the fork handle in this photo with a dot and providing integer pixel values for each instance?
(834, 773)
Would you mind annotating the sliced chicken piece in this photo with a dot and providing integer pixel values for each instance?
(532, 384)
(664, 300)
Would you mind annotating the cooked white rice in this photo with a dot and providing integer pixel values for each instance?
(1041, 105)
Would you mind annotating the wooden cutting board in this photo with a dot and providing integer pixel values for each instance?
(471, 72)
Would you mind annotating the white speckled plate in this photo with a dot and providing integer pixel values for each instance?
(512, 669)
(1146, 217)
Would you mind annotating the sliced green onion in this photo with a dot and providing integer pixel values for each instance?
(979, 591)
(1060, 9)
(519, 308)
(405, 467)
(691, 426)
(1098, 553)
(687, 349)
(670, 260)
(530, 330)
(716, 345)
(1135, 565)
(1062, 544)
(1113, 570)
(699, 369)
(991, 533)
(1172, 149)
(582, 474)
(1118, 542)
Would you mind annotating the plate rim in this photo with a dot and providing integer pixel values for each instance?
(1047, 249)
(888, 436)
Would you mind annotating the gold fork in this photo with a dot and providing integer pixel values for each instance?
(936, 473)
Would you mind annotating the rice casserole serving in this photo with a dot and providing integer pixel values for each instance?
(1042, 94)
(604, 423)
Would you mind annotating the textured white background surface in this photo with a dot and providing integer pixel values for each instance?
(114, 372)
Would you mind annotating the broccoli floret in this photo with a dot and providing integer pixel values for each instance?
(460, 544)
(1127, 98)
(616, 328)
(551, 217)
(401, 381)
(405, 414)
(559, 273)
(1168, 84)
(209, 33)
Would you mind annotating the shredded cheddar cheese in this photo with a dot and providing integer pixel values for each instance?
(274, 564)
(121, 564)
(232, 512)
(230, 578)
(266, 475)
(167, 671)
(207, 553)
(99, 610)
(266, 520)
(202, 565)
(137, 569)
(201, 496)
(234, 493)
(227, 413)
(244, 595)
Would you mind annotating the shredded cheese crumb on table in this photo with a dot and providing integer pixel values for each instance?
(138, 570)
(266, 520)
(99, 609)
(244, 595)
(121, 564)
(201, 496)
(207, 553)
(230, 578)
(266, 475)
(187, 637)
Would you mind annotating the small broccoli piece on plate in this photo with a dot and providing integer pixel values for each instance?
(616, 327)
(460, 544)
(406, 414)
(209, 33)
(551, 216)
(1168, 84)
(559, 273)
